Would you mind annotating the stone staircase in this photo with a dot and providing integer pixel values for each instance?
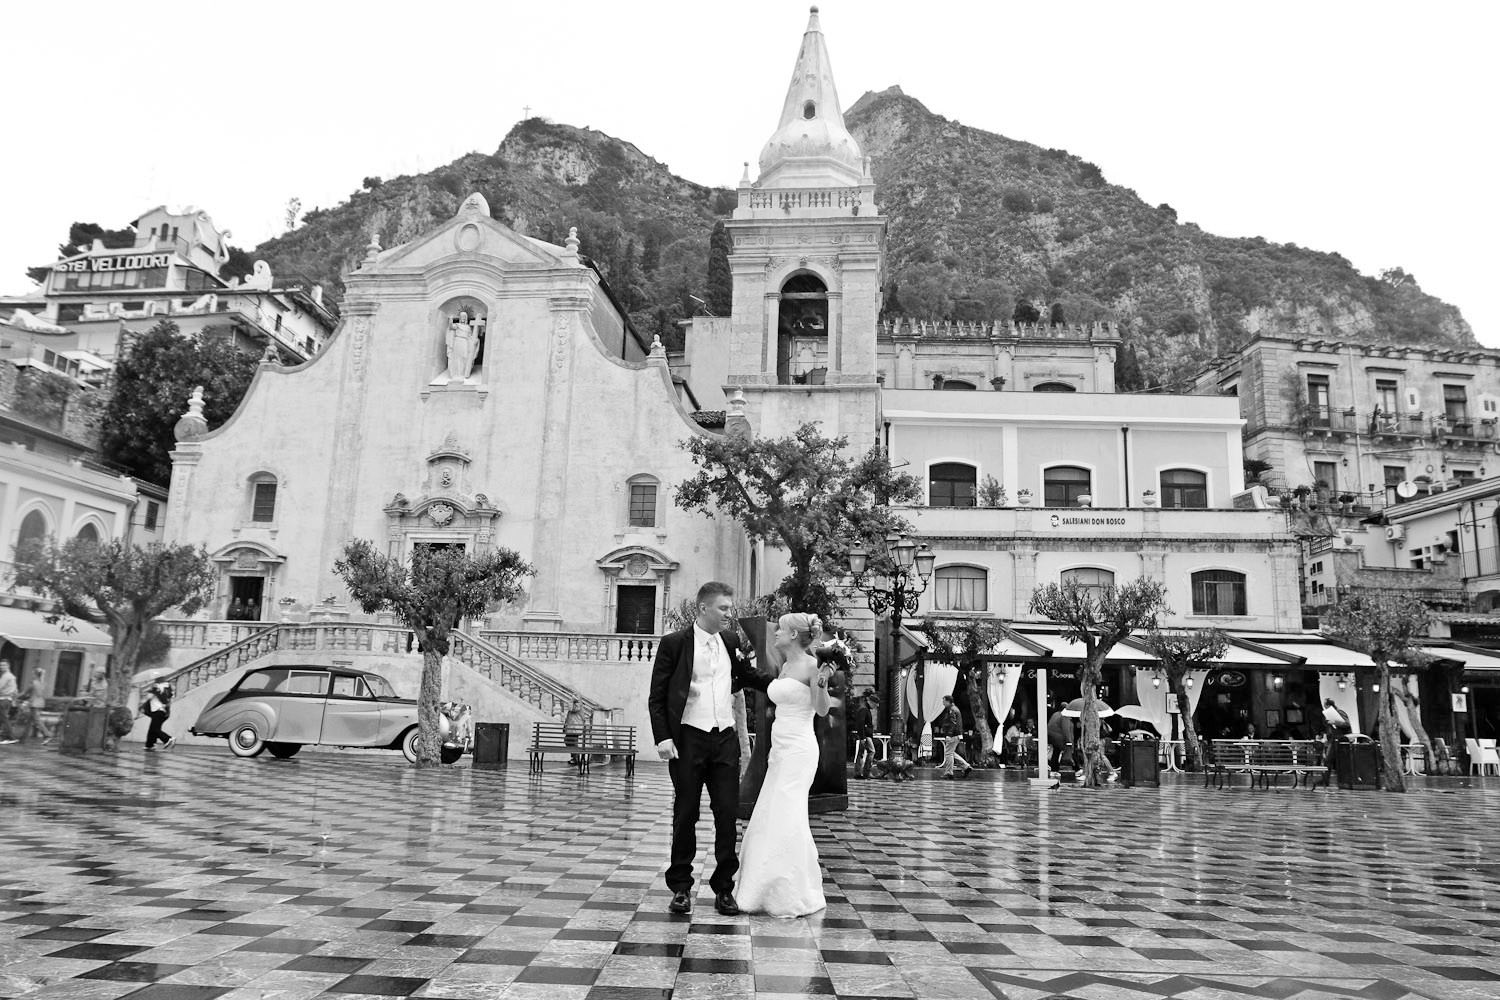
(328, 642)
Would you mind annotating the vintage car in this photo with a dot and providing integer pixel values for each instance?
(283, 709)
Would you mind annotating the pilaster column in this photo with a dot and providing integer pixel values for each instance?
(768, 344)
(835, 335)
(1023, 563)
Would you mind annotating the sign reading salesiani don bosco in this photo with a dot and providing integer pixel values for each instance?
(1088, 521)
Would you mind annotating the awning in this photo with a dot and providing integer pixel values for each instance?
(32, 630)
(1471, 659)
(1318, 655)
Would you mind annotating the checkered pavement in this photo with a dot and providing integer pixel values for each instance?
(193, 875)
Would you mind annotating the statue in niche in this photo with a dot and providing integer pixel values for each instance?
(465, 339)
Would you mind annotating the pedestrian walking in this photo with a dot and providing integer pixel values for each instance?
(34, 701)
(158, 707)
(862, 728)
(949, 727)
(7, 702)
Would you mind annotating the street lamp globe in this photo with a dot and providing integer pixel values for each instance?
(859, 560)
(925, 558)
(902, 551)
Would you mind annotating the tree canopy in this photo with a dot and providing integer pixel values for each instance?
(1180, 652)
(802, 493)
(154, 375)
(128, 586)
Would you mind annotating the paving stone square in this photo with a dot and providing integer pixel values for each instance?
(193, 875)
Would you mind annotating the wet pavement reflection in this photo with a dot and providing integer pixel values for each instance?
(194, 875)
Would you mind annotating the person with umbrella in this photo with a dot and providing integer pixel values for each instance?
(1074, 710)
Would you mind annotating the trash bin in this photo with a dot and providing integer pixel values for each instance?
(491, 745)
(1358, 764)
(83, 727)
(1138, 763)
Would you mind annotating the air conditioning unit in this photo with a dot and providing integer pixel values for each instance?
(1395, 532)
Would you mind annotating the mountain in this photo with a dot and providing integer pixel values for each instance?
(645, 228)
(978, 223)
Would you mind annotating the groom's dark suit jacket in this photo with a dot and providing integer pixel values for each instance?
(672, 677)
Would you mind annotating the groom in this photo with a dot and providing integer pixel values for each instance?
(693, 680)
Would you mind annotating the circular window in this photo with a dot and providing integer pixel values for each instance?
(810, 110)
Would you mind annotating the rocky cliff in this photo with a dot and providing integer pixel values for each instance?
(978, 223)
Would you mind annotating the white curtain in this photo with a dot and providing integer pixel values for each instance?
(1154, 702)
(1347, 699)
(938, 680)
(1195, 693)
(1004, 682)
(1402, 715)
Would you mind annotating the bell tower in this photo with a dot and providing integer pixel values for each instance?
(807, 260)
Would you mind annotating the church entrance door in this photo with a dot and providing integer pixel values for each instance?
(245, 593)
(635, 610)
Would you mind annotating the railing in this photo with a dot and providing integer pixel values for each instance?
(807, 198)
(210, 634)
(575, 646)
(548, 694)
(945, 329)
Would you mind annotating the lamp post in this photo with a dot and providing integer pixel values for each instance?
(894, 591)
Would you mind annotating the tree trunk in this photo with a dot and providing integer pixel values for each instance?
(979, 705)
(428, 698)
(1414, 712)
(1190, 742)
(1390, 744)
(123, 656)
(1093, 750)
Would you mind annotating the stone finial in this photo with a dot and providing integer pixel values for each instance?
(475, 204)
(658, 349)
(192, 425)
(736, 423)
(745, 177)
(572, 242)
(372, 249)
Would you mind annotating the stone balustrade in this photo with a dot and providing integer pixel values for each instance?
(577, 647)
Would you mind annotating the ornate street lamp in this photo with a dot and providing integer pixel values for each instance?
(895, 591)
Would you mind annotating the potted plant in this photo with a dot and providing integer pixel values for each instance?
(1023, 496)
(1085, 500)
(991, 493)
(1148, 498)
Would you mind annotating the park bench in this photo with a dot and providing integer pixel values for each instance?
(1265, 761)
(610, 741)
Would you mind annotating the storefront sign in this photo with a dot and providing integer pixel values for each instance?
(1088, 521)
(133, 262)
(1230, 679)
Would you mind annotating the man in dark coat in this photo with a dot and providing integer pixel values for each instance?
(862, 729)
(693, 680)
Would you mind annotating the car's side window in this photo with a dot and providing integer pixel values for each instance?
(349, 687)
(306, 682)
(263, 680)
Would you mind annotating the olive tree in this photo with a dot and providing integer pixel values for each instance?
(1180, 652)
(431, 593)
(127, 586)
(1098, 618)
(1390, 628)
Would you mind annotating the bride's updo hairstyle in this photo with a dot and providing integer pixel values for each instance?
(808, 628)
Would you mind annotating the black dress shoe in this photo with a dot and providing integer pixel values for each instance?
(725, 904)
(681, 903)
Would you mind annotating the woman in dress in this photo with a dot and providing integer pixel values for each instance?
(779, 872)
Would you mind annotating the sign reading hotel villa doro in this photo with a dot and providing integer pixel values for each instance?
(132, 262)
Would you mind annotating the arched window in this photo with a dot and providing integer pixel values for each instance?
(1184, 488)
(88, 533)
(1052, 387)
(263, 498)
(957, 385)
(1219, 592)
(1064, 484)
(644, 494)
(33, 530)
(801, 328)
(1092, 577)
(961, 588)
(951, 484)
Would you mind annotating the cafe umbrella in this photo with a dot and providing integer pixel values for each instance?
(1074, 709)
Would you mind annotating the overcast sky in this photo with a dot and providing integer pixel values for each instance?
(1366, 128)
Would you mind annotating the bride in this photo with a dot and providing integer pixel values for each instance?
(779, 872)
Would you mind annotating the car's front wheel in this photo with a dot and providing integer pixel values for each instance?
(283, 751)
(245, 740)
(409, 744)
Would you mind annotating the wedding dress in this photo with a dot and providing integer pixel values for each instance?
(779, 872)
